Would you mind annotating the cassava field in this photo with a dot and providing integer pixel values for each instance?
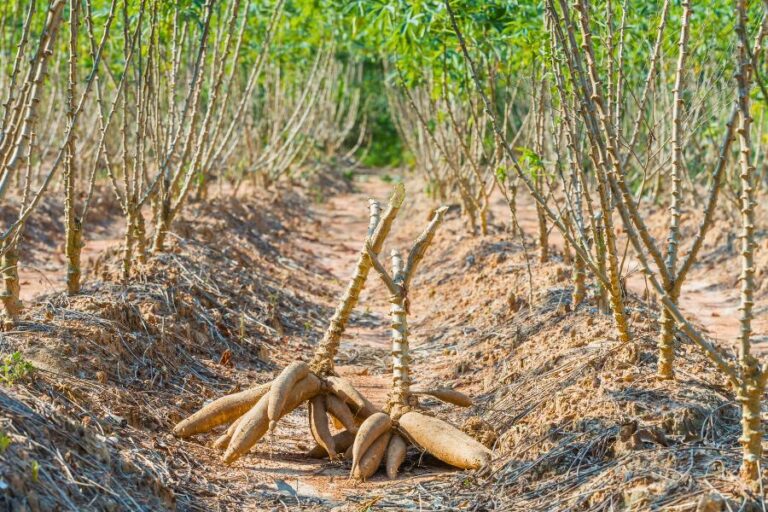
(361, 255)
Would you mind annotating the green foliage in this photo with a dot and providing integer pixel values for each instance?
(531, 162)
(501, 174)
(385, 148)
(408, 40)
(14, 368)
(5, 442)
(35, 468)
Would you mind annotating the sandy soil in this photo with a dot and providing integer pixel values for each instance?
(465, 333)
(710, 294)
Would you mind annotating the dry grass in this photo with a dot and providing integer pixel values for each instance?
(119, 364)
(581, 422)
(578, 421)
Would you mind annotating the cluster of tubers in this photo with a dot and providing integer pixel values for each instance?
(368, 435)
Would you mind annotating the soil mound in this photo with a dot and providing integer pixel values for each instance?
(117, 365)
(578, 420)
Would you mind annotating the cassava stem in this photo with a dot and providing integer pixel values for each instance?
(753, 378)
(397, 284)
(667, 335)
(439, 438)
(322, 362)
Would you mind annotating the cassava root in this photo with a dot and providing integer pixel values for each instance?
(395, 455)
(444, 441)
(318, 425)
(371, 429)
(447, 395)
(371, 460)
(361, 406)
(342, 441)
(223, 440)
(281, 386)
(220, 411)
(255, 423)
(341, 412)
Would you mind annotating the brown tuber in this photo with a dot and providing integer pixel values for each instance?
(371, 459)
(395, 455)
(444, 441)
(255, 422)
(281, 386)
(361, 406)
(318, 425)
(220, 411)
(371, 429)
(342, 441)
(341, 412)
(223, 440)
(447, 395)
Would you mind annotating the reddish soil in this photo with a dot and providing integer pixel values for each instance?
(555, 394)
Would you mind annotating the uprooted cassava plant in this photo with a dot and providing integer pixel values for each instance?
(386, 435)
(258, 409)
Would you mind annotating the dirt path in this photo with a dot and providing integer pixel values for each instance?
(279, 465)
(365, 344)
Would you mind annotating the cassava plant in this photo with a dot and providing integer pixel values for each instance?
(18, 136)
(280, 124)
(752, 376)
(255, 411)
(74, 220)
(21, 131)
(338, 109)
(450, 145)
(598, 106)
(416, 138)
(73, 229)
(612, 280)
(746, 375)
(589, 98)
(387, 434)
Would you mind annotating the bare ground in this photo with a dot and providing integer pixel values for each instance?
(577, 420)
